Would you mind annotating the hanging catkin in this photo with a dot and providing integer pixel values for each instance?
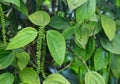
(39, 47)
(43, 57)
(3, 24)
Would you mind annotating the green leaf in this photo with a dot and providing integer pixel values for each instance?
(85, 53)
(23, 37)
(67, 33)
(6, 58)
(15, 2)
(23, 8)
(55, 79)
(93, 77)
(109, 26)
(112, 46)
(86, 11)
(117, 3)
(29, 76)
(73, 4)
(40, 18)
(6, 78)
(115, 65)
(101, 59)
(57, 46)
(58, 22)
(81, 37)
(23, 59)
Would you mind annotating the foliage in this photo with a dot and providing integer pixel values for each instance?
(59, 41)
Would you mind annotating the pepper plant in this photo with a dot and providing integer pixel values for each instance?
(59, 41)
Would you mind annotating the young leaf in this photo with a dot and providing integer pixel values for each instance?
(81, 37)
(86, 11)
(6, 58)
(40, 18)
(29, 76)
(73, 4)
(58, 22)
(56, 45)
(109, 26)
(6, 78)
(101, 59)
(23, 59)
(85, 53)
(115, 65)
(15, 2)
(55, 79)
(93, 77)
(113, 45)
(23, 37)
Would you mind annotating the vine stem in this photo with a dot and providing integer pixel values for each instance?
(3, 24)
(79, 57)
(83, 61)
(67, 66)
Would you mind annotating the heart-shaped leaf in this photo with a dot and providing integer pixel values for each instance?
(112, 46)
(6, 78)
(93, 77)
(86, 11)
(55, 79)
(73, 4)
(6, 58)
(109, 26)
(23, 59)
(101, 59)
(40, 18)
(81, 37)
(29, 76)
(23, 37)
(56, 45)
(115, 65)
(59, 23)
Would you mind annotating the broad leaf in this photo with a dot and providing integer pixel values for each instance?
(55, 79)
(15, 2)
(81, 37)
(112, 46)
(29, 76)
(117, 3)
(93, 77)
(67, 33)
(6, 78)
(6, 58)
(109, 26)
(86, 11)
(115, 65)
(101, 59)
(73, 4)
(39, 18)
(56, 45)
(23, 37)
(84, 53)
(58, 22)
(23, 59)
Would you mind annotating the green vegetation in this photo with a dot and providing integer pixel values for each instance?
(59, 41)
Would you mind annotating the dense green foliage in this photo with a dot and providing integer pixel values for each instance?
(59, 41)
